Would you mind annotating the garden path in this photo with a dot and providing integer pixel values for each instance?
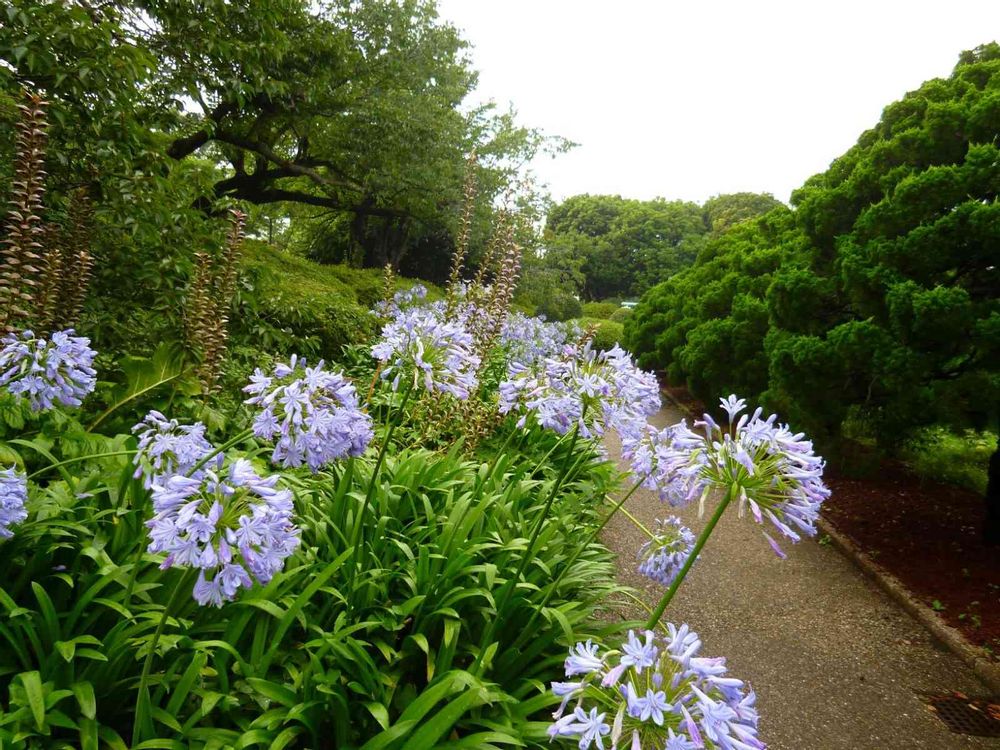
(836, 664)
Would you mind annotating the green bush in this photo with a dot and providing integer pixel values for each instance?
(608, 332)
(946, 456)
(559, 306)
(600, 309)
(289, 304)
(335, 651)
(620, 315)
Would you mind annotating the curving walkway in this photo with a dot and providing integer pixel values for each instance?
(836, 665)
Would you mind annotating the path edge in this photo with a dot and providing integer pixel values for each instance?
(985, 669)
(951, 638)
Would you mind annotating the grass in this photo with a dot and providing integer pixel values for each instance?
(959, 458)
(303, 281)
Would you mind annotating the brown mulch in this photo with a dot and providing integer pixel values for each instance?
(927, 534)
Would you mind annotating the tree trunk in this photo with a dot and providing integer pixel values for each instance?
(991, 531)
(401, 243)
(359, 231)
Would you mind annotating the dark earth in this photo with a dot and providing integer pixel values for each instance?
(929, 536)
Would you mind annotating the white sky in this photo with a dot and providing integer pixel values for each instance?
(691, 99)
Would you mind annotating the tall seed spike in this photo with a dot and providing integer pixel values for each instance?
(23, 221)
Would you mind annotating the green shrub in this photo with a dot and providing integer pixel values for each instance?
(335, 651)
(559, 306)
(608, 332)
(602, 310)
(621, 315)
(289, 304)
(956, 458)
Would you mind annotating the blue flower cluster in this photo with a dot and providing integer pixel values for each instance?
(655, 692)
(47, 371)
(167, 447)
(420, 343)
(662, 558)
(580, 387)
(529, 339)
(401, 300)
(773, 473)
(230, 526)
(313, 413)
(13, 496)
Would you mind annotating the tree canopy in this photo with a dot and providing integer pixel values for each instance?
(878, 297)
(352, 111)
(624, 246)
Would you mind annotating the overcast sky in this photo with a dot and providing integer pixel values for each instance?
(695, 98)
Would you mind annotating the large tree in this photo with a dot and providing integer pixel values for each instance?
(626, 245)
(885, 302)
(349, 108)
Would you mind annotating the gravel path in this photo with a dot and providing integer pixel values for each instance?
(836, 665)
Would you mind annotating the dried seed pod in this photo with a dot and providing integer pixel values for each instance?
(209, 301)
(464, 232)
(19, 250)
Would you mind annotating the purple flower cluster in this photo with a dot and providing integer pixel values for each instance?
(669, 460)
(230, 526)
(13, 496)
(47, 371)
(769, 471)
(313, 414)
(401, 300)
(167, 447)
(662, 557)
(580, 387)
(530, 339)
(655, 692)
(438, 353)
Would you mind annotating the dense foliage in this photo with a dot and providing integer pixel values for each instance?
(605, 246)
(340, 124)
(876, 300)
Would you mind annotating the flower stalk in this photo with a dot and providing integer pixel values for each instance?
(661, 607)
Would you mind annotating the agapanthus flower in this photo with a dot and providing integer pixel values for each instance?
(436, 353)
(530, 339)
(312, 414)
(401, 300)
(581, 388)
(655, 692)
(167, 447)
(768, 470)
(234, 527)
(13, 496)
(662, 558)
(48, 371)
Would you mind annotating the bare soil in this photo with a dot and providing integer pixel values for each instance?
(928, 535)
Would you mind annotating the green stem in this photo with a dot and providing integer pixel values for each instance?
(508, 589)
(702, 538)
(77, 459)
(114, 407)
(239, 438)
(639, 602)
(387, 436)
(551, 588)
(142, 700)
(638, 524)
